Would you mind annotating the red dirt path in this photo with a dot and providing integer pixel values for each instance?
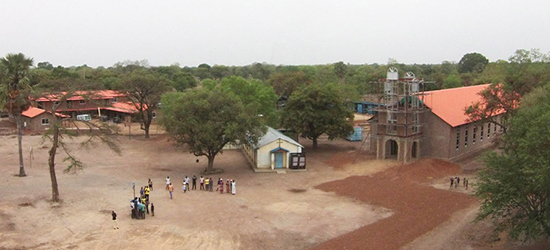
(418, 207)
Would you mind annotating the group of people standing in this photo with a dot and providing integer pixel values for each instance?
(140, 205)
(206, 184)
(455, 182)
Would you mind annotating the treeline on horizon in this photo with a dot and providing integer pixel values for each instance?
(472, 69)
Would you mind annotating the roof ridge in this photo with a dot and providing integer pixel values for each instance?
(451, 89)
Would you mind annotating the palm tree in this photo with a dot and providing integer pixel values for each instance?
(15, 97)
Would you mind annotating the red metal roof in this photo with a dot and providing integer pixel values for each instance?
(33, 112)
(80, 95)
(450, 104)
(124, 107)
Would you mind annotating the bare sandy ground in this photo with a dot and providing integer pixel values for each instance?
(270, 211)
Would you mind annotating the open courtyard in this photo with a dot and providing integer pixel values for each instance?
(345, 200)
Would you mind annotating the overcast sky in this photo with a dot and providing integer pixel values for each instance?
(290, 32)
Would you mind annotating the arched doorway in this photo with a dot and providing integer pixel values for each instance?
(391, 149)
(414, 151)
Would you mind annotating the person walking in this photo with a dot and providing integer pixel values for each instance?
(167, 182)
(194, 183)
(114, 220)
(184, 186)
(233, 187)
(201, 184)
(170, 189)
(464, 182)
(152, 209)
(452, 180)
(150, 184)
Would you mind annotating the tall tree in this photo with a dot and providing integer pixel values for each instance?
(16, 93)
(497, 100)
(206, 120)
(318, 109)
(472, 62)
(340, 69)
(257, 97)
(285, 83)
(63, 128)
(520, 77)
(515, 185)
(144, 89)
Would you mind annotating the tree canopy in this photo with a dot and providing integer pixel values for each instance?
(318, 109)
(258, 98)
(515, 186)
(144, 91)
(472, 62)
(206, 120)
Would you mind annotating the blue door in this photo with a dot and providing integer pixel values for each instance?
(278, 160)
(360, 108)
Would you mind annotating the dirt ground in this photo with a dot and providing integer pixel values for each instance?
(345, 200)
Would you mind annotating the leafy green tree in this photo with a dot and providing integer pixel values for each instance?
(318, 109)
(452, 81)
(15, 93)
(44, 65)
(182, 81)
(144, 89)
(203, 71)
(472, 62)
(340, 69)
(285, 83)
(526, 56)
(206, 120)
(520, 78)
(220, 71)
(258, 98)
(495, 99)
(515, 185)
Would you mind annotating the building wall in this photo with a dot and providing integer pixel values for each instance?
(35, 124)
(466, 144)
(440, 140)
(263, 155)
(437, 135)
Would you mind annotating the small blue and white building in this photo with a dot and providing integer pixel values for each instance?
(273, 151)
